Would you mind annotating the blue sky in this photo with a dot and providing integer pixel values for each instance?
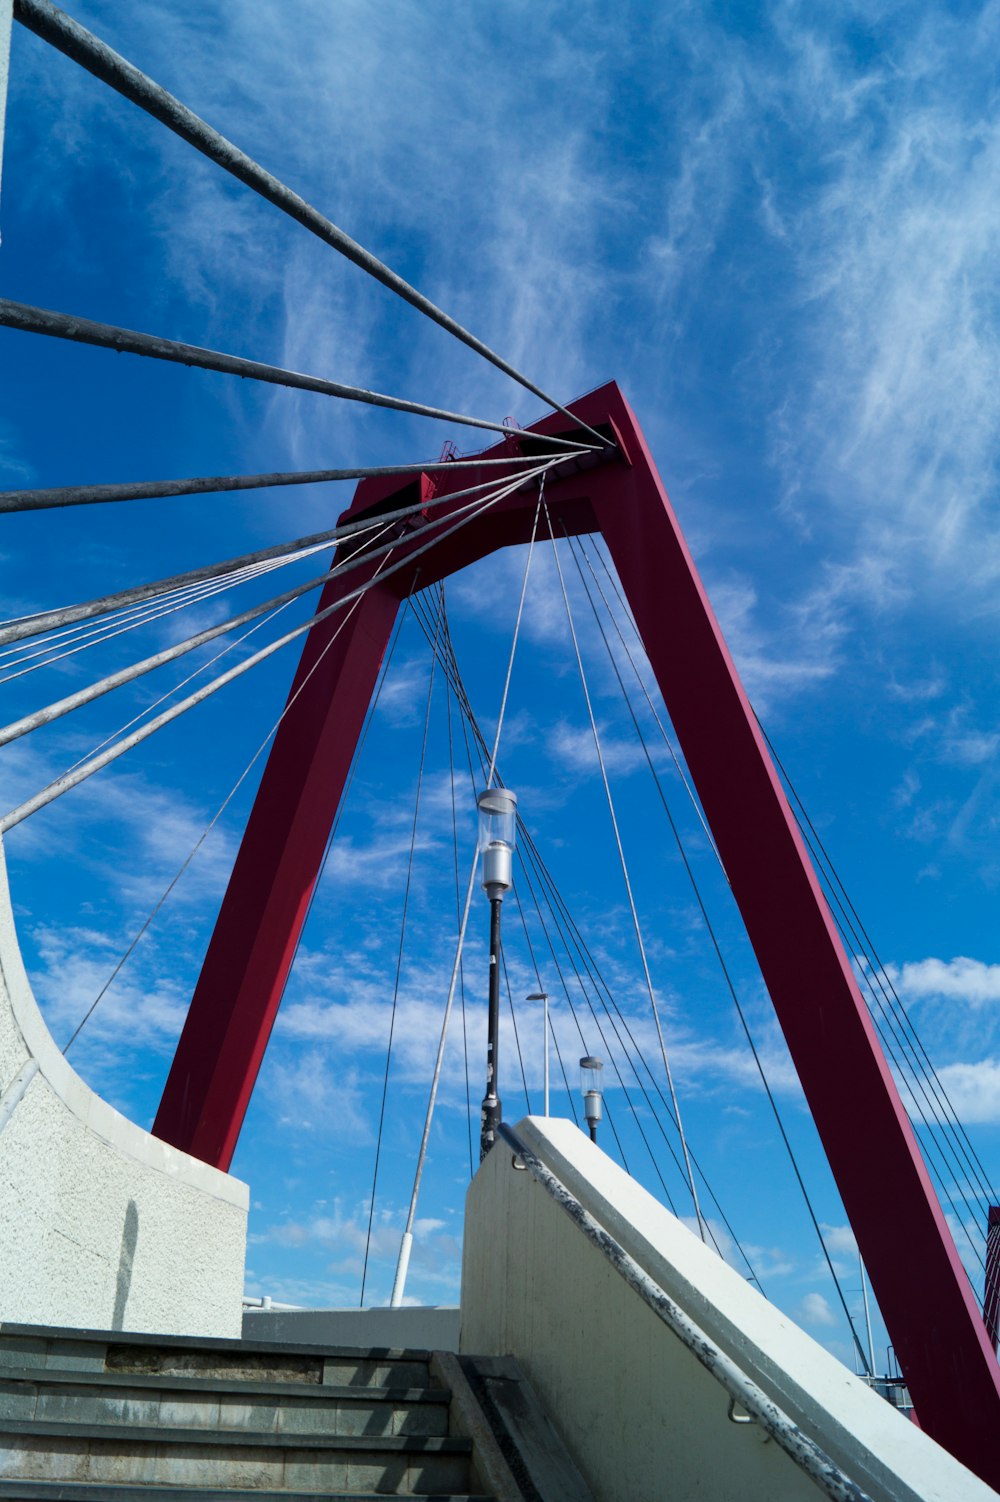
(777, 229)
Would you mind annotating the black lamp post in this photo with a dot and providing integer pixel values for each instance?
(497, 836)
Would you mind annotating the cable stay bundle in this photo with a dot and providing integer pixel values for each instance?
(954, 1165)
(381, 551)
(587, 978)
(952, 1160)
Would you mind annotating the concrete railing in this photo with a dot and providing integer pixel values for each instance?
(102, 1225)
(665, 1373)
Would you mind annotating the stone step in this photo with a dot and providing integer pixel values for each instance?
(208, 1402)
(235, 1360)
(136, 1454)
(89, 1491)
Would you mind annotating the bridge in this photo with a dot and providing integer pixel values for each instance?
(583, 471)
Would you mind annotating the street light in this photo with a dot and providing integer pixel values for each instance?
(497, 837)
(543, 997)
(591, 1070)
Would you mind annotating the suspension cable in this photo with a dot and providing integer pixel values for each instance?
(449, 664)
(628, 885)
(169, 693)
(863, 943)
(942, 1181)
(685, 781)
(546, 883)
(915, 1075)
(312, 896)
(78, 638)
(545, 880)
(407, 1240)
(39, 621)
(675, 831)
(63, 784)
(552, 1030)
(106, 685)
(526, 842)
(208, 829)
(458, 898)
(58, 325)
(399, 971)
(596, 1020)
(858, 937)
(937, 1139)
(803, 820)
(53, 496)
(69, 37)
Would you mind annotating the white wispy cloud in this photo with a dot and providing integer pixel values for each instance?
(897, 248)
(961, 979)
(767, 669)
(840, 1240)
(815, 1310)
(974, 1089)
(573, 747)
(345, 1235)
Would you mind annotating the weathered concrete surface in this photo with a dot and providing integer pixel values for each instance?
(638, 1412)
(101, 1224)
(417, 1328)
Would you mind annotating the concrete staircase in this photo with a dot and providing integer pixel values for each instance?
(111, 1417)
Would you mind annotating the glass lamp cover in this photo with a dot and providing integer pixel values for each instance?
(591, 1073)
(497, 818)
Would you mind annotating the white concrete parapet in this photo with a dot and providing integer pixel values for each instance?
(102, 1225)
(639, 1413)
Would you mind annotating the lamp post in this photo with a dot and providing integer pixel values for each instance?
(497, 836)
(543, 997)
(591, 1071)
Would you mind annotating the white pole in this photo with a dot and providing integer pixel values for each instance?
(868, 1318)
(545, 1024)
(6, 14)
(402, 1267)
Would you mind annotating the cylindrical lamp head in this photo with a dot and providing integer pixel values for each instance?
(497, 837)
(591, 1074)
(497, 818)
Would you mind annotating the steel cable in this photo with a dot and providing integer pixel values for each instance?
(710, 930)
(628, 886)
(407, 1240)
(95, 764)
(399, 971)
(40, 621)
(69, 37)
(603, 990)
(208, 829)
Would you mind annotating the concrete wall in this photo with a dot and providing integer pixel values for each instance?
(411, 1327)
(101, 1225)
(638, 1412)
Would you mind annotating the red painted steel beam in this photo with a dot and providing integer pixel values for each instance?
(937, 1331)
(991, 1296)
(915, 1270)
(243, 977)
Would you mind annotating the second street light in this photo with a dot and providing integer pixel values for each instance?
(543, 997)
(497, 835)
